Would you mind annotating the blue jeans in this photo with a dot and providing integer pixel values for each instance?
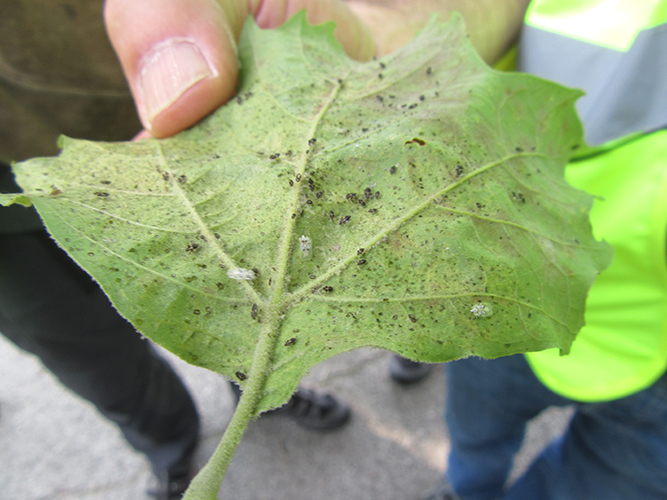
(615, 450)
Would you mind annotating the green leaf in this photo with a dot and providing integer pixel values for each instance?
(7, 200)
(414, 203)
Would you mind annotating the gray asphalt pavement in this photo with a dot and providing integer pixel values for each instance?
(54, 446)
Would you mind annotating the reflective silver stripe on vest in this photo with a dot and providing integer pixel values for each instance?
(626, 92)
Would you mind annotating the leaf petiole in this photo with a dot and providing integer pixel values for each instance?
(207, 482)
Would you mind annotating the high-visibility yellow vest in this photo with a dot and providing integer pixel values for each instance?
(616, 51)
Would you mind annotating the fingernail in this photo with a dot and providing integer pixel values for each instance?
(171, 68)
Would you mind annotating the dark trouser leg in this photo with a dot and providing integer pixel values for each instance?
(51, 308)
(615, 450)
(488, 405)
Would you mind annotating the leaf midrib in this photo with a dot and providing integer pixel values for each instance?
(286, 242)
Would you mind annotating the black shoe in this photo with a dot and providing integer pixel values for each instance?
(311, 409)
(406, 372)
(170, 487)
(443, 491)
(317, 411)
(172, 483)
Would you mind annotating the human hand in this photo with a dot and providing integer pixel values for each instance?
(179, 56)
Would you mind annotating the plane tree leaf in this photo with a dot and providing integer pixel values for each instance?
(414, 203)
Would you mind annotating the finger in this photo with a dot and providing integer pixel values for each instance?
(353, 35)
(179, 57)
(392, 27)
(144, 134)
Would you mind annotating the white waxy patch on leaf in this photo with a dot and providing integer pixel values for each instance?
(481, 310)
(305, 246)
(238, 273)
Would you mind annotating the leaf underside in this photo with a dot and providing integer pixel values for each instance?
(414, 203)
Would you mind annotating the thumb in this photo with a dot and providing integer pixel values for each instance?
(179, 56)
